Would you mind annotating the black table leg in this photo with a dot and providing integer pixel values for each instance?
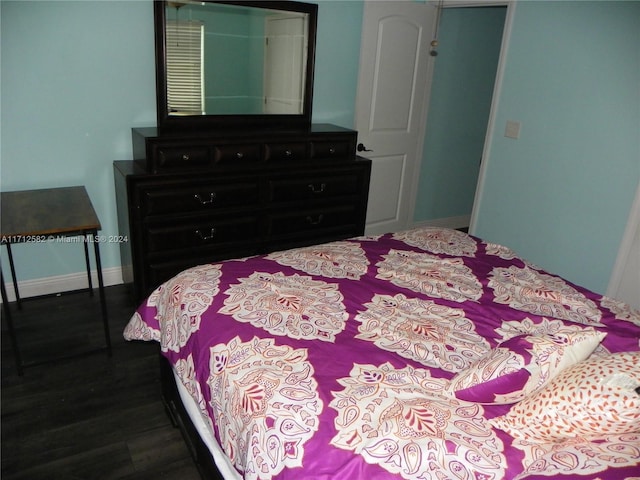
(12, 332)
(103, 301)
(13, 276)
(87, 262)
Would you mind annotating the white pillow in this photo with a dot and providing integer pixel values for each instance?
(596, 397)
(523, 364)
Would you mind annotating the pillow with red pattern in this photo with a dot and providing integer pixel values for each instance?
(523, 364)
(599, 396)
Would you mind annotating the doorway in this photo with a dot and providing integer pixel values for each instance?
(391, 112)
(469, 46)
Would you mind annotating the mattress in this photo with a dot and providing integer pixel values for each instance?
(205, 432)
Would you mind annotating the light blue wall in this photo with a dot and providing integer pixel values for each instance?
(560, 195)
(337, 61)
(77, 75)
(463, 80)
(233, 66)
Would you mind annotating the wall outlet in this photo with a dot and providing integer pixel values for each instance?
(512, 130)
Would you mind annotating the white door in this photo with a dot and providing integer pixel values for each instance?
(285, 58)
(391, 105)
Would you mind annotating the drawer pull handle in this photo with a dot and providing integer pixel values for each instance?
(288, 153)
(204, 237)
(239, 155)
(316, 189)
(332, 150)
(315, 221)
(185, 157)
(212, 197)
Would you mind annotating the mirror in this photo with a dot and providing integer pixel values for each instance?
(225, 64)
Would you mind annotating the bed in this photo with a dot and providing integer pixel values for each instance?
(422, 354)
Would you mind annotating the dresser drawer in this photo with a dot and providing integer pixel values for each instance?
(236, 153)
(313, 221)
(183, 157)
(162, 269)
(208, 233)
(285, 152)
(197, 198)
(337, 149)
(319, 187)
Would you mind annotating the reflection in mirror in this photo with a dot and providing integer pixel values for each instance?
(225, 59)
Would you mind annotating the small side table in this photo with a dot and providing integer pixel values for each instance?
(38, 216)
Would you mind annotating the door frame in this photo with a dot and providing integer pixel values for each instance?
(506, 34)
(497, 87)
(621, 282)
(491, 123)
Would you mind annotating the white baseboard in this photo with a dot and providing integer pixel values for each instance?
(63, 283)
(460, 221)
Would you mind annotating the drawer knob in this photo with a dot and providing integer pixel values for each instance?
(288, 153)
(204, 237)
(317, 189)
(332, 150)
(202, 201)
(315, 221)
(239, 155)
(185, 157)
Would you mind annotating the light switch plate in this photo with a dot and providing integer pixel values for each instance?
(512, 130)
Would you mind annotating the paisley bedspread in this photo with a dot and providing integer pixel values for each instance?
(335, 361)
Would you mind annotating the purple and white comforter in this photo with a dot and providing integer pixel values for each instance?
(334, 361)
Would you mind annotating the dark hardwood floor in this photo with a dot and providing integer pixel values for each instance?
(89, 417)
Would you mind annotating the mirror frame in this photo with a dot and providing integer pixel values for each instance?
(169, 123)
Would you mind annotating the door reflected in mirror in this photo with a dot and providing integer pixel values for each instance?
(224, 59)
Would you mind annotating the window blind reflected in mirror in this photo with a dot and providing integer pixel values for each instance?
(185, 53)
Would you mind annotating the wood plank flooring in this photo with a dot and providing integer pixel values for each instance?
(90, 417)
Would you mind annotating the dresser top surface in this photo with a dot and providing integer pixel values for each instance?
(314, 128)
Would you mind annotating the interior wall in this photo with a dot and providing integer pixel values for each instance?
(76, 76)
(560, 194)
(238, 86)
(337, 61)
(459, 106)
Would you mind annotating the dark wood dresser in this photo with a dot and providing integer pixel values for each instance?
(188, 199)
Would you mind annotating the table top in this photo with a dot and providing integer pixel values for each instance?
(30, 214)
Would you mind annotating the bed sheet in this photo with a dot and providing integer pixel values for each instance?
(335, 361)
